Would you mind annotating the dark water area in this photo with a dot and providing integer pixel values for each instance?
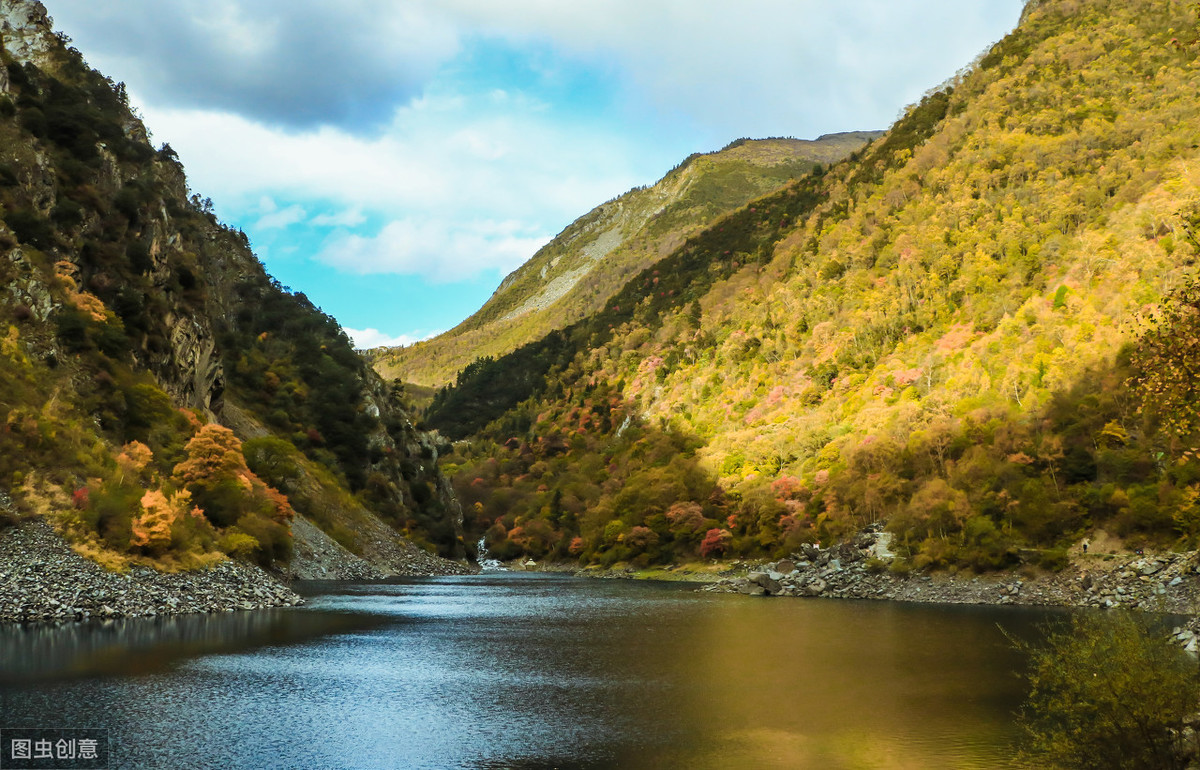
(533, 671)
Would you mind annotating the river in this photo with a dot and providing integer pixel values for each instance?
(533, 671)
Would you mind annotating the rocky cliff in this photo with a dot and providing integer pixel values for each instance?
(126, 301)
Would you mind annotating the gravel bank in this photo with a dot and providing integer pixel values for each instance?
(1167, 583)
(43, 580)
(317, 556)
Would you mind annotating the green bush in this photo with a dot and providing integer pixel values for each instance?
(1108, 691)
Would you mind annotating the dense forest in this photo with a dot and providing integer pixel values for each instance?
(979, 330)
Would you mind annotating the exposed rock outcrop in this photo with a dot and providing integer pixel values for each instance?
(25, 30)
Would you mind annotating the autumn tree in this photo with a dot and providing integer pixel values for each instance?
(232, 496)
(1166, 360)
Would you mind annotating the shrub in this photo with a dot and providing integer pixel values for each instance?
(1109, 692)
(716, 543)
(30, 227)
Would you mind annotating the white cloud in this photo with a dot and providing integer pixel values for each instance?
(345, 218)
(365, 339)
(760, 67)
(294, 63)
(281, 218)
(451, 175)
(437, 250)
(754, 67)
(449, 154)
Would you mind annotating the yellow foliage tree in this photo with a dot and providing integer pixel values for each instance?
(152, 527)
(214, 454)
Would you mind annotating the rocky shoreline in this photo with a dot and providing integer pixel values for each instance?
(43, 581)
(1166, 583)
(317, 556)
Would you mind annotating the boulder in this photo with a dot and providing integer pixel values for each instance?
(785, 566)
(815, 588)
(768, 581)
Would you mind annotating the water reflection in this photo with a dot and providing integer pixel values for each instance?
(532, 671)
(143, 645)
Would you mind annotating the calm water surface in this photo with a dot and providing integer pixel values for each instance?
(533, 671)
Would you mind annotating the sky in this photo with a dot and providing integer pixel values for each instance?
(395, 159)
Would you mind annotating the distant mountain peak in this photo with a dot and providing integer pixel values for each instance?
(590, 260)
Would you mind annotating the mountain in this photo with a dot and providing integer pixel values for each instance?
(978, 332)
(165, 401)
(577, 272)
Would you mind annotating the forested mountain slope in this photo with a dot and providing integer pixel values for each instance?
(163, 400)
(576, 273)
(981, 331)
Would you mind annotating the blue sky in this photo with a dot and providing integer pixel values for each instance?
(395, 159)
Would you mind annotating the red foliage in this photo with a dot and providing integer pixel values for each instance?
(716, 542)
(79, 498)
(787, 487)
(641, 538)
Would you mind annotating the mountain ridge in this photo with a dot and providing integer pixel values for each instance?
(588, 261)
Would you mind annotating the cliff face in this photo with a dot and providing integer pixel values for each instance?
(124, 297)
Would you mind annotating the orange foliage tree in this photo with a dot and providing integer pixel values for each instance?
(232, 496)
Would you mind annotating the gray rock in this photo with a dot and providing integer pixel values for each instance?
(815, 587)
(767, 581)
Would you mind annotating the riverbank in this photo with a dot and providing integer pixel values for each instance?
(1162, 582)
(43, 580)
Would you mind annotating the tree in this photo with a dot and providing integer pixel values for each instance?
(1109, 692)
(152, 528)
(1167, 361)
(230, 495)
(214, 454)
(716, 543)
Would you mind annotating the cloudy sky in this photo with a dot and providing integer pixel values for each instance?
(395, 159)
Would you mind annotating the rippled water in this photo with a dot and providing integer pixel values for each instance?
(533, 671)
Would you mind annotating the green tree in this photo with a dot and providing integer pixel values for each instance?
(1110, 692)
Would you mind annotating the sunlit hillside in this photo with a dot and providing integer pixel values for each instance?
(940, 333)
